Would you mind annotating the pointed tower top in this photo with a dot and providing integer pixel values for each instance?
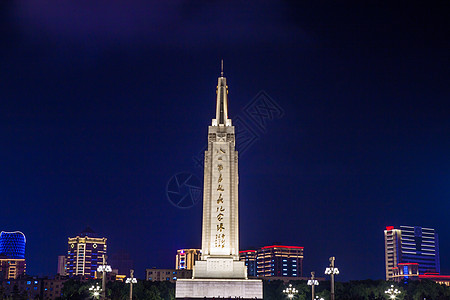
(222, 101)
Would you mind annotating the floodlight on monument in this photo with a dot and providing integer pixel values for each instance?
(392, 292)
(290, 291)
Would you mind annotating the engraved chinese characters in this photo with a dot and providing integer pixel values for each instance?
(220, 236)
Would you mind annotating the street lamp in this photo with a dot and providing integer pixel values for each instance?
(131, 280)
(392, 293)
(331, 270)
(95, 290)
(290, 291)
(104, 268)
(312, 282)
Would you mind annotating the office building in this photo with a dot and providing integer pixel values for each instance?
(410, 245)
(25, 285)
(185, 258)
(12, 255)
(249, 257)
(85, 253)
(274, 261)
(170, 275)
(62, 261)
(405, 271)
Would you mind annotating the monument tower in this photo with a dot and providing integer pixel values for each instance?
(219, 273)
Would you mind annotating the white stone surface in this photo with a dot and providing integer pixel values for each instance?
(225, 288)
(220, 268)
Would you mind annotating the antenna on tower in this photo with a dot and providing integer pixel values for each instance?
(221, 68)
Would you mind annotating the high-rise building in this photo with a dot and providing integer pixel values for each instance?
(412, 245)
(220, 226)
(274, 261)
(249, 257)
(185, 258)
(62, 261)
(12, 254)
(85, 253)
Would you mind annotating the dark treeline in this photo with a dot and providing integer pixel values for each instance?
(354, 290)
(362, 290)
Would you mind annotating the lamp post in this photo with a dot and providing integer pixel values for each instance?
(290, 291)
(312, 282)
(331, 270)
(131, 280)
(95, 290)
(104, 268)
(392, 292)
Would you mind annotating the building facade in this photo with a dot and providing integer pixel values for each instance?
(274, 261)
(26, 286)
(12, 255)
(249, 257)
(85, 253)
(167, 274)
(185, 258)
(62, 261)
(410, 245)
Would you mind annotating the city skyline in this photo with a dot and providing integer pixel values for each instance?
(99, 113)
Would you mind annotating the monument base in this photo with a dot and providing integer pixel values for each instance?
(219, 267)
(219, 288)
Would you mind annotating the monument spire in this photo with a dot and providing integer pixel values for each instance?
(222, 101)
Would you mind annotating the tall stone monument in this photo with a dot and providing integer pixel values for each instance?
(220, 273)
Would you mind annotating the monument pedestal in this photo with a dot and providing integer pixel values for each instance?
(219, 267)
(215, 288)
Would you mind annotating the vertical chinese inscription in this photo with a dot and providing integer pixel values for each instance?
(220, 206)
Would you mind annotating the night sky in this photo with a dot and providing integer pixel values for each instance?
(102, 102)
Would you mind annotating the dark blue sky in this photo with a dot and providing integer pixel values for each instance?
(101, 104)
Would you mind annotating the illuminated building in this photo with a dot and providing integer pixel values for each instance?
(28, 287)
(275, 261)
(405, 271)
(12, 254)
(410, 245)
(249, 257)
(62, 261)
(185, 258)
(167, 274)
(85, 253)
(441, 279)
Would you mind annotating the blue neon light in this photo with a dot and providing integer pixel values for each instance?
(12, 244)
